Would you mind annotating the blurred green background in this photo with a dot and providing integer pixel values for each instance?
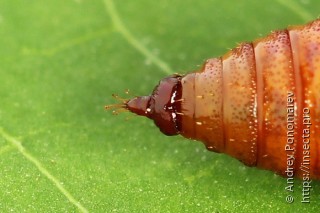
(60, 151)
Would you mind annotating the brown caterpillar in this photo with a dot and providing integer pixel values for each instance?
(259, 103)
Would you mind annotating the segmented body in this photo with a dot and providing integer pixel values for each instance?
(259, 103)
(238, 104)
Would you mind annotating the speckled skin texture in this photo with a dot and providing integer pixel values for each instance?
(237, 104)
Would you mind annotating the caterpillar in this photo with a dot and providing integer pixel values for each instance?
(259, 103)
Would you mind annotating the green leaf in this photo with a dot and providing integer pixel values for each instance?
(62, 152)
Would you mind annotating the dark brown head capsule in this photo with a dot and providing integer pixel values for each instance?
(161, 106)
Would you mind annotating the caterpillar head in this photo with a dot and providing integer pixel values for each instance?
(162, 106)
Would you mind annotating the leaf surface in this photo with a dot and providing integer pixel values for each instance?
(60, 63)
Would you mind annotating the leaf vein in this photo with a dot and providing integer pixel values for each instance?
(122, 29)
(292, 5)
(41, 168)
(66, 44)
